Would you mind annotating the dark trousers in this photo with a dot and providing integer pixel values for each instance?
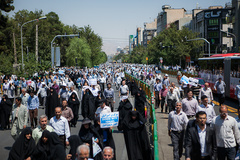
(33, 113)
(110, 103)
(157, 101)
(222, 153)
(177, 141)
(221, 98)
(170, 105)
(102, 86)
(16, 90)
(162, 104)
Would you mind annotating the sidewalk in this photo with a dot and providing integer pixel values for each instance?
(164, 141)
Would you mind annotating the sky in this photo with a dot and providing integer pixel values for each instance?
(113, 20)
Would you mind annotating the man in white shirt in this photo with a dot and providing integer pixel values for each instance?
(227, 134)
(60, 126)
(208, 108)
(177, 122)
(206, 90)
(102, 108)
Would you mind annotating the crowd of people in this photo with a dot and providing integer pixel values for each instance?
(64, 94)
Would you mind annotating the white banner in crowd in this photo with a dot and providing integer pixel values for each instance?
(109, 119)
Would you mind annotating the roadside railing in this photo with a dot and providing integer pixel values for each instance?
(171, 72)
(152, 121)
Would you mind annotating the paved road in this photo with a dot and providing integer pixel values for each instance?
(164, 141)
(121, 153)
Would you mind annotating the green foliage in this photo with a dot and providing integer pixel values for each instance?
(47, 30)
(79, 49)
(171, 44)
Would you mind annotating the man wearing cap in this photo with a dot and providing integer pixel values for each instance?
(63, 92)
(43, 93)
(166, 80)
(220, 89)
(109, 95)
(102, 108)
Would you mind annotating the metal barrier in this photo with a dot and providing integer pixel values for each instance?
(151, 112)
(171, 72)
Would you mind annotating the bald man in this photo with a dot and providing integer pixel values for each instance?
(227, 134)
(60, 126)
(108, 153)
(206, 90)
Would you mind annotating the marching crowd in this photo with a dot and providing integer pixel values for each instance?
(57, 91)
(192, 121)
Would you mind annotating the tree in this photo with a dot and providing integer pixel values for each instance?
(171, 44)
(79, 49)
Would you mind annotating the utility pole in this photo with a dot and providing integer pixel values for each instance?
(14, 49)
(36, 43)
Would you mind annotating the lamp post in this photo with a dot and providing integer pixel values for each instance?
(21, 33)
(234, 38)
(196, 39)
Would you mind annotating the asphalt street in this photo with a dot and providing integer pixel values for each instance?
(7, 141)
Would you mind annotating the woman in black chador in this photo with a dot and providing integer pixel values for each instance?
(106, 135)
(51, 103)
(88, 104)
(86, 133)
(23, 147)
(5, 110)
(49, 147)
(73, 103)
(136, 138)
(140, 100)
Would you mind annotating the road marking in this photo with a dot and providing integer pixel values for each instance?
(231, 109)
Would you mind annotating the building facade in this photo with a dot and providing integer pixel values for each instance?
(212, 25)
(168, 16)
(236, 22)
(149, 32)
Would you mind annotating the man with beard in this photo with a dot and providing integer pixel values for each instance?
(124, 107)
(135, 136)
(177, 120)
(60, 126)
(51, 103)
(109, 94)
(19, 118)
(140, 100)
(37, 132)
(201, 140)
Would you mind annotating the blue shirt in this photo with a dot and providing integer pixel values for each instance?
(33, 102)
(16, 83)
(60, 126)
(24, 84)
(157, 87)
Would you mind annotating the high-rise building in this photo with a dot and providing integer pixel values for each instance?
(212, 25)
(149, 32)
(236, 22)
(139, 36)
(170, 15)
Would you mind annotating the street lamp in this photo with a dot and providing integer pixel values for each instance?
(233, 36)
(201, 39)
(21, 32)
